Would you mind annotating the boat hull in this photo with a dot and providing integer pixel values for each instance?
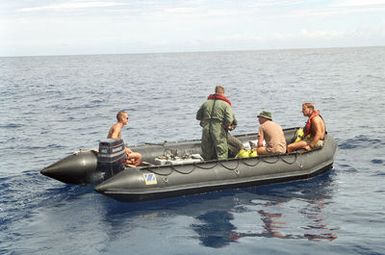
(154, 180)
(131, 195)
(164, 181)
(77, 168)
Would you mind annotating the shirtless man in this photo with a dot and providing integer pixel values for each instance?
(272, 134)
(314, 130)
(133, 158)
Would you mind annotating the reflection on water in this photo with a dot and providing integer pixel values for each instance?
(275, 224)
(272, 224)
(296, 210)
(272, 210)
(215, 229)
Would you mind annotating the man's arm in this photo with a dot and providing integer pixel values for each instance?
(260, 137)
(199, 115)
(234, 124)
(229, 116)
(317, 125)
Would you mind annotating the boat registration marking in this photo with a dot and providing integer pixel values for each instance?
(150, 179)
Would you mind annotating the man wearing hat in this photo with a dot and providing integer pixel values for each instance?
(272, 134)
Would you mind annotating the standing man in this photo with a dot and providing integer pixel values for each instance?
(272, 134)
(314, 130)
(216, 117)
(133, 158)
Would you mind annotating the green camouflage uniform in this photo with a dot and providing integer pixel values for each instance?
(214, 116)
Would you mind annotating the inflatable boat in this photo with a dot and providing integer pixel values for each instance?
(176, 168)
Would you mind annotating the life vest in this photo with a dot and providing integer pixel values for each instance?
(246, 154)
(219, 97)
(307, 128)
(299, 135)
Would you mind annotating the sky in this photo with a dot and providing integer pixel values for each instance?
(72, 27)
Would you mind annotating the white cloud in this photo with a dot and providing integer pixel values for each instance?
(321, 34)
(177, 25)
(359, 3)
(72, 6)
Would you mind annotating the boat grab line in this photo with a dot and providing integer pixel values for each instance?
(258, 160)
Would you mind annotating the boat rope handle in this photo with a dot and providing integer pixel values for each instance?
(252, 165)
(161, 174)
(229, 168)
(270, 162)
(206, 168)
(181, 172)
(258, 160)
(290, 163)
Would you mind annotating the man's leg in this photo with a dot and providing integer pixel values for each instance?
(207, 145)
(219, 136)
(296, 146)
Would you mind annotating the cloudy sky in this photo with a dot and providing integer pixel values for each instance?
(61, 27)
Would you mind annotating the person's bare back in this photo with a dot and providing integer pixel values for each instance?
(115, 132)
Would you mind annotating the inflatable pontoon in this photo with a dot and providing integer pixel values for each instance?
(176, 168)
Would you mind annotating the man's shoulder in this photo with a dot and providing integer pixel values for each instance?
(269, 125)
(205, 103)
(223, 104)
(317, 119)
(116, 126)
(318, 122)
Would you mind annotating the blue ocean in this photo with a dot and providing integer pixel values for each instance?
(51, 106)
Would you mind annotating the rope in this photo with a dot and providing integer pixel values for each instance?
(269, 162)
(161, 174)
(229, 168)
(222, 163)
(206, 168)
(251, 165)
(181, 172)
(290, 163)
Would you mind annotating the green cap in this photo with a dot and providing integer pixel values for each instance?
(266, 115)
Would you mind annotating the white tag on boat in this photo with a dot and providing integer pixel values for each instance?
(150, 179)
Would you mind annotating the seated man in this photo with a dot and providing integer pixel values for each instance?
(133, 158)
(314, 130)
(272, 134)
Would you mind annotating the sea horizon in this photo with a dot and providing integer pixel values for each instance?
(197, 51)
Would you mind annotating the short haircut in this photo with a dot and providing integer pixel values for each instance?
(120, 114)
(308, 105)
(219, 89)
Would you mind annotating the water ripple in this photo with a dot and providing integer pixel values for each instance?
(11, 126)
(51, 106)
(377, 161)
(361, 141)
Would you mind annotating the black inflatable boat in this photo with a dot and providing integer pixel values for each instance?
(176, 168)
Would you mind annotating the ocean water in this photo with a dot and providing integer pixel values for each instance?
(52, 106)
